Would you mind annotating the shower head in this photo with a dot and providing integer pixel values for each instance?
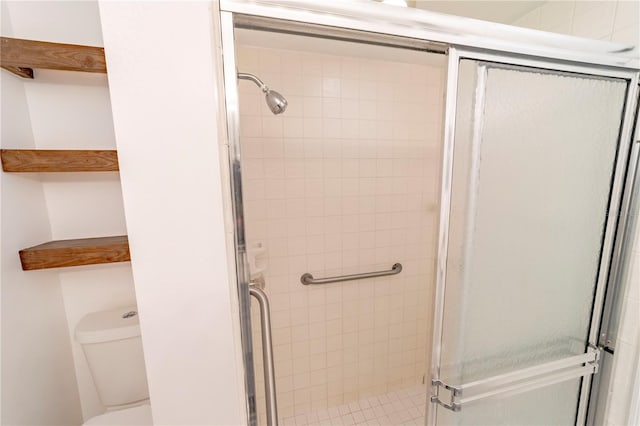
(275, 101)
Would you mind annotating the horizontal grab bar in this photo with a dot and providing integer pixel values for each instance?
(308, 279)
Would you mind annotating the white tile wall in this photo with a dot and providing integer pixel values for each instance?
(617, 21)
(345, 181)
(627, 352)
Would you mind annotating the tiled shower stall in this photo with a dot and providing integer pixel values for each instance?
(345, 181)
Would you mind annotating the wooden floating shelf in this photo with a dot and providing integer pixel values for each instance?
(85, 251)
(54, 160)
(21, 56)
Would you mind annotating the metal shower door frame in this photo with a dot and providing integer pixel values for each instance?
(232, 105)
(357, 26)
(626, 160)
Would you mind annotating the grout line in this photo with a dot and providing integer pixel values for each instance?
(404, 406)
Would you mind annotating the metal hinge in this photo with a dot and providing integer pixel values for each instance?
(453, 391)
(598, 356)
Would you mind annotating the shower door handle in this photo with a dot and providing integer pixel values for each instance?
(267, 355)
(455, 397)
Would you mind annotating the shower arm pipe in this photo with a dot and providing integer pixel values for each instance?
(256, 80)
(275, 101)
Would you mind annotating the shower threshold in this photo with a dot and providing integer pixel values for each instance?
(400, 407)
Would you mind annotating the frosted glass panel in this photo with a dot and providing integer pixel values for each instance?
(533, 163)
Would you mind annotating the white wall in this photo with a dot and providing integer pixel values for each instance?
(617, 21)
(72, 110)
(627, 352)
(38, 377)
(163, 76)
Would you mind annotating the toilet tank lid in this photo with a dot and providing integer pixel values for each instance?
(107, 326)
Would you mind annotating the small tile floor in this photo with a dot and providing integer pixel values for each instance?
(401, 407)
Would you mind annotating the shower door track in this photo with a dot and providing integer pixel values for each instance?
(404, 27)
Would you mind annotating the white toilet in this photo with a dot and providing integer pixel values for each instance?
(112, 345)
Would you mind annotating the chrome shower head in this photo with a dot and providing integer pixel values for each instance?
(275, 101)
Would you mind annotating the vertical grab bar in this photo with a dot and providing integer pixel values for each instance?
(267, 355)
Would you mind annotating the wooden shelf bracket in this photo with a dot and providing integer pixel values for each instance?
(19, 71)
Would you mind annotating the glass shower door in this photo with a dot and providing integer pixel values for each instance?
(533, 164)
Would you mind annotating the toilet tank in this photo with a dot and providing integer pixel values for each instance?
(112, 345)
